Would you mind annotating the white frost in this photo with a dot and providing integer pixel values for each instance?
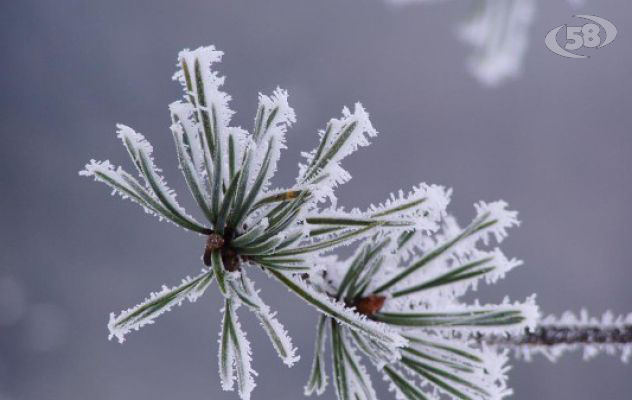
(326, 167)
(157, 304)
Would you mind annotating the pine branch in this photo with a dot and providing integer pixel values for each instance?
(554, 335)
(395, 302)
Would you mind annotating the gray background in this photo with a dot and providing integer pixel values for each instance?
(555, 144)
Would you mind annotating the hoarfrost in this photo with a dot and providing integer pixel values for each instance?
(157, 304)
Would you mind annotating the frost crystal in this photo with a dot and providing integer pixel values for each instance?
(340, 138)
(158, 303)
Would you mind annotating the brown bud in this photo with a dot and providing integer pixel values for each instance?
(230, 260)
(291, 194)
(214, 241)
(370, 305)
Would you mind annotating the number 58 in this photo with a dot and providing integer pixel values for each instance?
(589, 36)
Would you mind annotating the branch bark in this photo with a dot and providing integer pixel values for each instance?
(552, 335)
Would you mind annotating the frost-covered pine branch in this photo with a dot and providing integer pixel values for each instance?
(554, 337)
(413, 282)
(395, 303)
(244, 220)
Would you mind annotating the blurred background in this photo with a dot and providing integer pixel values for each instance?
(553, 141)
